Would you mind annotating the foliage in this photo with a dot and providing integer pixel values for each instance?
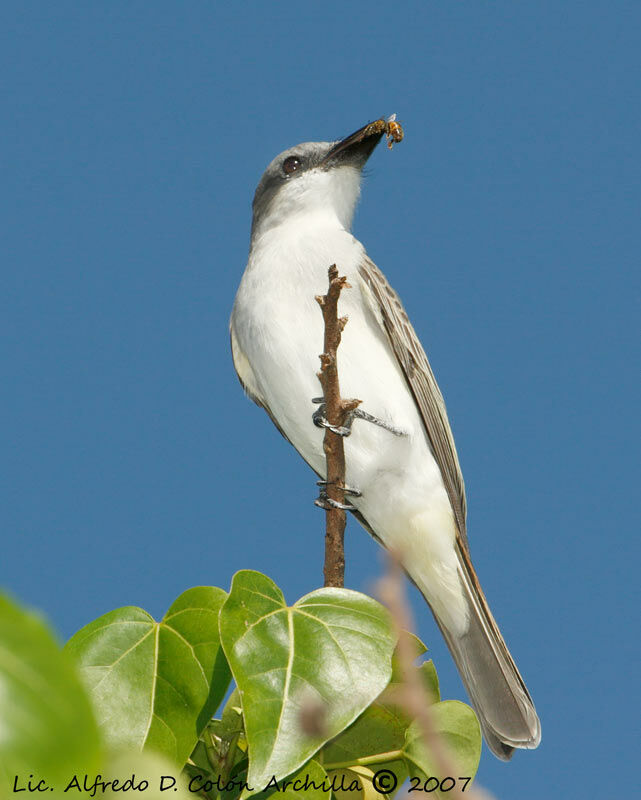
(155, 684)
(314, 712)
(46, 725)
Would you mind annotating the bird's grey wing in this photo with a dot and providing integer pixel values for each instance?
(389, 311)
(247, 379)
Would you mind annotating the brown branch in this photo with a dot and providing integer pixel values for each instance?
(336, 411)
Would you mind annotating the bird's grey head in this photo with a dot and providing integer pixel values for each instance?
(314, 178)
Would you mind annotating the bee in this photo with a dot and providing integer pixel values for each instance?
(390, 127)
(393, 131)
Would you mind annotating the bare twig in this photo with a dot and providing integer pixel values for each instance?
(412, 695)
(336, 411)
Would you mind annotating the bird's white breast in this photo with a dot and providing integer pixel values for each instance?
(279, 329)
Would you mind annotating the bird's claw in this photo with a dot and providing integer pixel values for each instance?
(350, 490)
(323, 501)
(320, 421)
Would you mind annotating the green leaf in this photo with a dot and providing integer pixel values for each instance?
(199, 760)
(310, 782)
(418, 648)
(47, 727)
(382, 727)
(429, 677)
(153, 776)
(427, 669)
(458, 726)
(155, 685)
(221, 744)
(331, 651)
(379, 729)
(232, 716)
(355, 783)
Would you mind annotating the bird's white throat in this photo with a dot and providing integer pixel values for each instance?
(319, 194)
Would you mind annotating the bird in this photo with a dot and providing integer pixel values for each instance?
(408, 489)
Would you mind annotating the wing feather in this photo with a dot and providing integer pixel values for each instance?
(421, 382)
(247, 379)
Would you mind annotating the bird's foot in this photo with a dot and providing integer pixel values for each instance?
(320, 421)
(323, 501)
(350, 490)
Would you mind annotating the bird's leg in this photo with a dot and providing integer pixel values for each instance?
(319, 420)
(358, 412)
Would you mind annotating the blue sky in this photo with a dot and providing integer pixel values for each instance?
(508, 220)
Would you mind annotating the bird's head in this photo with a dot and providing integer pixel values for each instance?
(314, 179)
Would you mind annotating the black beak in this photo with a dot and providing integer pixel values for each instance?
(358, 146)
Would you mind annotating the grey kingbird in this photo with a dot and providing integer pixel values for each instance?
(412, 497)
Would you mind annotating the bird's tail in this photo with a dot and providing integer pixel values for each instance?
(497, 691)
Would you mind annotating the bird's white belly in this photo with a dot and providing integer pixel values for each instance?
(397, 475)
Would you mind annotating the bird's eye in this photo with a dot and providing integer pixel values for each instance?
(291, 164)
